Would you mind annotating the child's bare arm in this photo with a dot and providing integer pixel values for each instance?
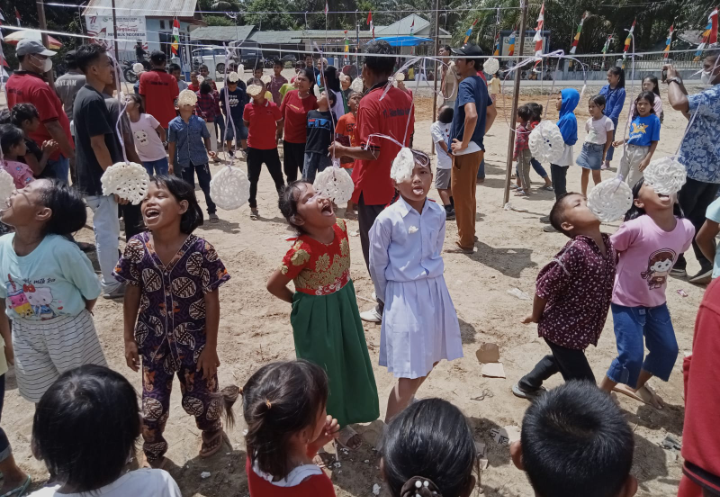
(277, 285)
(90, 304)
(538, 308)
(208, 362)
(131, 305)
(208, 146)
(171, 157)
(646, 161)
(705, 238)
(161, 133)
(608, 142)
(6, 334)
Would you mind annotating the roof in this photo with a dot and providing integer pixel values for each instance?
(137, 8)
(402, 27)
(222, 33)
(276, 37)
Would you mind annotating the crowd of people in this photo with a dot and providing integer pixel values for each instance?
(58, 141)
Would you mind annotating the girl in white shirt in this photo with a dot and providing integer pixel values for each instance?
(599, 130)
(148, 136)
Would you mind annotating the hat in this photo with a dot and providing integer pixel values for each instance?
(468, 50)
(158, 57)
(32, 47)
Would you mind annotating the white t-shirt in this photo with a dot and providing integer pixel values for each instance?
(441, 133)
(597, 130)
(147, 142)
(138, 483)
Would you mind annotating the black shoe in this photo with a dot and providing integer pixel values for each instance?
(449, 214)
(703, 277)
(678, 273)
(527, 394)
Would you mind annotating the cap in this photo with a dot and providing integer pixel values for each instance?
(468, 50)
(158, 56)
(32, 47)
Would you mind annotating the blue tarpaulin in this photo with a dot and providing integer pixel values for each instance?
(404, 41)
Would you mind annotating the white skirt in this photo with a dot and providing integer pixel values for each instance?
(419, 327)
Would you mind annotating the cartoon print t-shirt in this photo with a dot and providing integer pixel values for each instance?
(53, 280)
(646, 256)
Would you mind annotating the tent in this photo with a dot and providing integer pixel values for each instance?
(404, 41)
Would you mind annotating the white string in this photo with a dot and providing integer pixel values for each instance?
(123, 102)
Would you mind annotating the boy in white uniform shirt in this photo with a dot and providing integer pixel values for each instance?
(440, 131)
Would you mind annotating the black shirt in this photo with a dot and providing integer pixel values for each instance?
(319, 131)
(92, 118)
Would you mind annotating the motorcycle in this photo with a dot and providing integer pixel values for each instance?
(129, 74)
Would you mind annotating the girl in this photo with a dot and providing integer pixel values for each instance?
(148, 136)
(294, 109)
(287, 423)
(650, 83)
(429, 451)
(643, 140)
(522, 150)
(12, 142)
(207, 109)
(172, 313)
(26, 117)
(648, 243)
(325, 317)
(536, 111)
(600, 132)
(49, 286)
(614, 93)
(419, 326)
(84, 406)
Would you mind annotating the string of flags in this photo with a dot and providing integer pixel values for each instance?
(369, 22)
(577, 34)
(710, 34)
(538, 39)
(175, 37)
(469, 31)
(628, 40)
(668, 42)
(496, 52)
(511, 43)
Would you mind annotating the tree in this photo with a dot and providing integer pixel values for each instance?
(269, 15)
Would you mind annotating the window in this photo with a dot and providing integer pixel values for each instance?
(162, 24)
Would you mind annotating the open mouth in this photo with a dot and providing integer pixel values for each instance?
(419, 190)
(151, 213)
(327, 210)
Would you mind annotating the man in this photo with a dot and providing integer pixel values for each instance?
(392, 116)
(448, 77)
(309, 63)
(28, 86)
(69, 84)
(98, 148)
(699, 153)
(140, 52)
(473, 117)
(176, 73)
(159, 90)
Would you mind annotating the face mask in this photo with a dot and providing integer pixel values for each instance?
(705, 77)
(46, 65)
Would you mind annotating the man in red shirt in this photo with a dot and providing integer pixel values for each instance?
(159, 90)
(392, 116)
(28, 86)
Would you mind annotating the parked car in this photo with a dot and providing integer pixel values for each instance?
(212, 57)
(291, 58)
(248, 53)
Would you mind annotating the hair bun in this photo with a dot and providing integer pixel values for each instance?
(417, 486)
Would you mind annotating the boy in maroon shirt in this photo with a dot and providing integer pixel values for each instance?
(572, 296)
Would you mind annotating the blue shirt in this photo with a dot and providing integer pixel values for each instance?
(471, 90)
(700, 149)
(188, 139)
(614, 101)
(237, 101)
(644, 130)
(406, 245)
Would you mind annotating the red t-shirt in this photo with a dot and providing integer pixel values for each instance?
(295, 110)
(346, 128)
(388, 116)
(316, 485)
(27, 87)
(261, 121)
(160, 90)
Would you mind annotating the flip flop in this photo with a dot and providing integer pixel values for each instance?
(19, 491)
(346, 435)
(645, 394)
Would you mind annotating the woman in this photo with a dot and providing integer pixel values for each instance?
(294, 109)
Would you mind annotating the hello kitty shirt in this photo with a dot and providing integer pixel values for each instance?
(147, 141)
(646, 256)
(53, 280)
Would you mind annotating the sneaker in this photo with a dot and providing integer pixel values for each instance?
(116, 294)
(703, 277)
(678, 273)
(254, 214)
(549, 229)
(450, 215)
(527, 394)
(214, 218)
(371, 316)
(545, 219)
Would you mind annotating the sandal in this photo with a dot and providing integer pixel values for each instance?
(254, 214)
(547, 188)
(643, 394)
(346, 436)
(210, 446)
(19, 491)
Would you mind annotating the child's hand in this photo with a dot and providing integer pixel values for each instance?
(49, 146)
(171, 169)
(644, 163)
(530, 319)
(330, 432)
(616, 144)
(208, 362)
(131, 355)
(212, 154)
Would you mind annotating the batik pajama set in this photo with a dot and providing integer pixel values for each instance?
(170, 332)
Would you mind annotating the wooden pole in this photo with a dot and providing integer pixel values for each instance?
(516, 97)
(435, 68)
(115, 33)
(43, 28)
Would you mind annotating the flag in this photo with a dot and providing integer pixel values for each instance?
(577, 34)
(469, 31)
(412, 26)
(511, 43)
(176, 37)
(538, 39)
(668, 42)
(710, 34)
(369, 22)
(2, 16)
(496, 53)
(628, 40)
(17, 16)
(326, 8)
(606, 47)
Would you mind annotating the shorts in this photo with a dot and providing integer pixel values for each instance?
(591, 156)
(442, 178)
(240, 130)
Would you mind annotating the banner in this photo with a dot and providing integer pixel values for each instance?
(130, 29)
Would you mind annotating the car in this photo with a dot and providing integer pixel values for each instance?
(213, 58)
(248, 53)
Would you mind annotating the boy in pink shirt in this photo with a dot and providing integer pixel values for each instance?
(12, 142)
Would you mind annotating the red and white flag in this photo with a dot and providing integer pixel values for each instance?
(538, 39)
(326, 8)
(412, 27)
(17, 16)
(369, 22)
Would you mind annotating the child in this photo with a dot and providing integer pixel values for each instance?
(277, 81)
(614, 93)
(194, 85)
(319, 136)
(26, 117)
(572, 296)
(648, 242)
(207, 107)
(600, 132)
(176, 72)
(440, 132)
(49, 286)
(174, 332)
(650, 83)
(419, 325)
(189, 137)
(85, 429)
(575, 441)
(204, 71)
(429, 451)
(537, 111)
(262, 119)
(643, 140)
(12, 142)
(346, 134)
(234, 97)
(148, 136)
(325, 317)
(705, 240)
(495, 88)
(284, 404)
(522, 150)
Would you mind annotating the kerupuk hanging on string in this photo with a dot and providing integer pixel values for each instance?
(546, 142)
(610, 199)
(127, 180)
(665, 175)
(334, 183)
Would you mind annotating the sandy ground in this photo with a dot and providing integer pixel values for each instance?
(255, 329)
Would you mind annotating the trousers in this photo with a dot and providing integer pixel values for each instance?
(255, 160)
(559, 179)
(294, 159)
(203, 176)
(464, 184)
(571, 363)
(694, 198)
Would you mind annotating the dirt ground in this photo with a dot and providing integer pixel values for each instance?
(255, 329)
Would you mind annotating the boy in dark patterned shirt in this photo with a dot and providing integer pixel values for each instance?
(572, 296)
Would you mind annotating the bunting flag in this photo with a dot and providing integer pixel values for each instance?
(577, 34)
(496, 53)
(17, 16)
(538, 39)
(710, 34)
(412, 27)
(668, 42)
(176, 37)
(369, 22)
(2, 16)
(326, 8)
(628, 40)
(511, 43)
(469, 31)
(606, 47)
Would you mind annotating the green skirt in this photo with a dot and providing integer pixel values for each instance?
(328, 332)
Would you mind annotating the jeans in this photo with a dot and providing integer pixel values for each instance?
(293, 160)
(694, 198)
(157, 167)
(5, 450)
(106, 226)
(315, 163)
(58, 169)
(538, 168)
(204, 177)
(255, 160)
(559, 179)
(631, 324)
(571, 363)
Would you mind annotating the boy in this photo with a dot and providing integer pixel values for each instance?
(194, 85)
(572, 298)
(576, 442)
(319, 136)
(440, 132)
(257, 73)
(261, 117)
(176, 72)
(190, 138)
(234, 97)
(345, 134)
(205, 73)
(277, 81)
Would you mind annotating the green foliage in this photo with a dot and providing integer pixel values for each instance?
(221, 20)
(270, 14)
